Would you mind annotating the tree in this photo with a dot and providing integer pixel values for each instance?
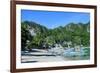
(75, 33)
(25, 36)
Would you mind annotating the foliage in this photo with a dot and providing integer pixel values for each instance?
(43, 37)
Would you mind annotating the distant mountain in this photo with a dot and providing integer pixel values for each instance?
(34, 27)
(38, 36)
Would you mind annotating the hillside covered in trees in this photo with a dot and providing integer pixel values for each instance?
(34, 35)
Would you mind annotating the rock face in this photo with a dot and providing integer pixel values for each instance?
(32, 32)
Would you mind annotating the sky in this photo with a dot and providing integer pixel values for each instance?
(53, 19)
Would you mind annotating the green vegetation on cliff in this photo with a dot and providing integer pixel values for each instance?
(34, 35)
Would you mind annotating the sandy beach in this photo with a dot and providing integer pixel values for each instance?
(46, 57)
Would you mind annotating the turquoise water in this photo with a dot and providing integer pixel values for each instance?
(67, 55)
(84, 54)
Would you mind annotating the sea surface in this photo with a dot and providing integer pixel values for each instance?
(33, 57)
